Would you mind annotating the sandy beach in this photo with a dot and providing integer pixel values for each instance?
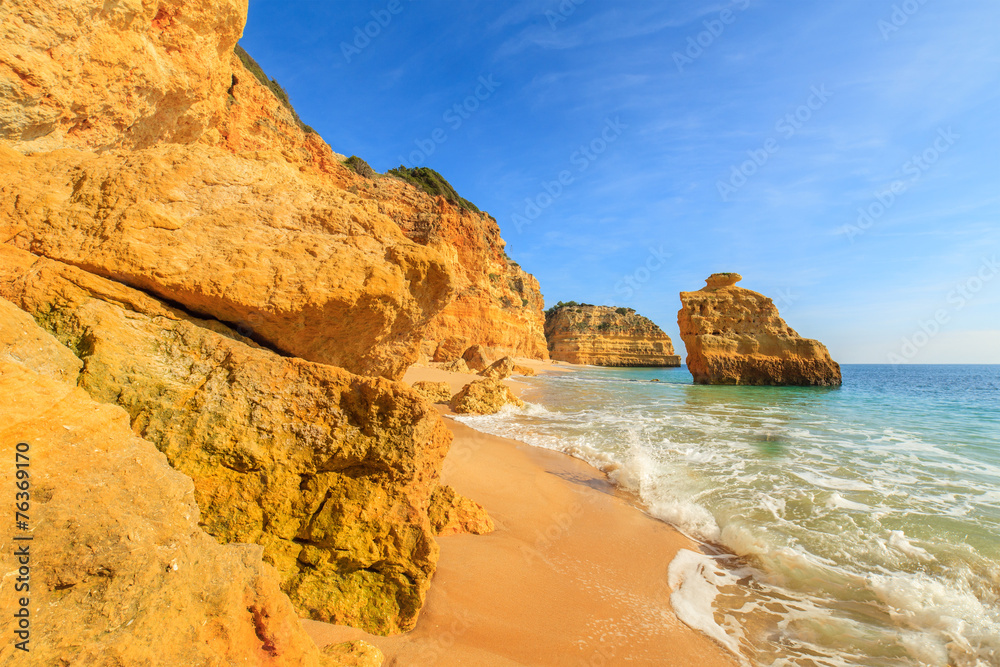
(573, 575)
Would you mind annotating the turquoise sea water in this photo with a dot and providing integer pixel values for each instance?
(849, 526)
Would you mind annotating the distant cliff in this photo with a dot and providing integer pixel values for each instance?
(736, 336)
(606, 336)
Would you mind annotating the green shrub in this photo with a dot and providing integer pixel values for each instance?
(359, 167)
(433, 184)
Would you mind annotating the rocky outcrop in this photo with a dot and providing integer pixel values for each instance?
(484, 397)
(95, 75)
(456, 366)
(477, 358)
(524, 370)
(330, 472)
(121, 574)
(435, 392)
(500, 369)
(606, 336)
(498, 305)
(166, 215)
(452, 513)
(300, 265)
(736, 336)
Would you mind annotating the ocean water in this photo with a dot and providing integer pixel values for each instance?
(849, 526)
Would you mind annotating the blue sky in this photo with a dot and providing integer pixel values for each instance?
(739, 136)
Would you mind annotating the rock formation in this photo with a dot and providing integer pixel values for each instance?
(23, 342)
(332, 473)
(606, 336)
(312, 270)
(94, 76)
(484, 397)
(736, 336)
(456, 366)
(121, 574)
(477, 358)
(435, 392)
(500, 369)
(498, 305)
(452, 513)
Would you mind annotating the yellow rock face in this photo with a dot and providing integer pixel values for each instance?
(23, 342)
(300, 265)
(606, 336)
(90, 74)
(435, 392)
(497, 304)
(121, 573)
(452, 513)
(330, 472)
(736, 336)
(500, 369)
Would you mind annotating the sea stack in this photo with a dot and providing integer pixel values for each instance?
(606, 336)
(736, 336)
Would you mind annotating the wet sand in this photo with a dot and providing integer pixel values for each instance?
(573, 575)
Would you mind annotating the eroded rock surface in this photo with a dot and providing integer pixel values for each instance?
(435, 392)
(300, 265)
(606, 336)
(484, 397)
(121, 573)
(736, 336)
(453, 513)
(330, 472)
(23, 342)
(497, 304)
(501, 369)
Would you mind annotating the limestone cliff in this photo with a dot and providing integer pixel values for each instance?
(226, 280)
(606, 336)
(302, 265)
(330, 472)
(498, 305)
(121, 574)
(259, 224)
(95, 75)
(736, 336)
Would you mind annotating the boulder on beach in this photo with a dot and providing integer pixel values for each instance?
(435, 392)
(500, 369)
(484, 397)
